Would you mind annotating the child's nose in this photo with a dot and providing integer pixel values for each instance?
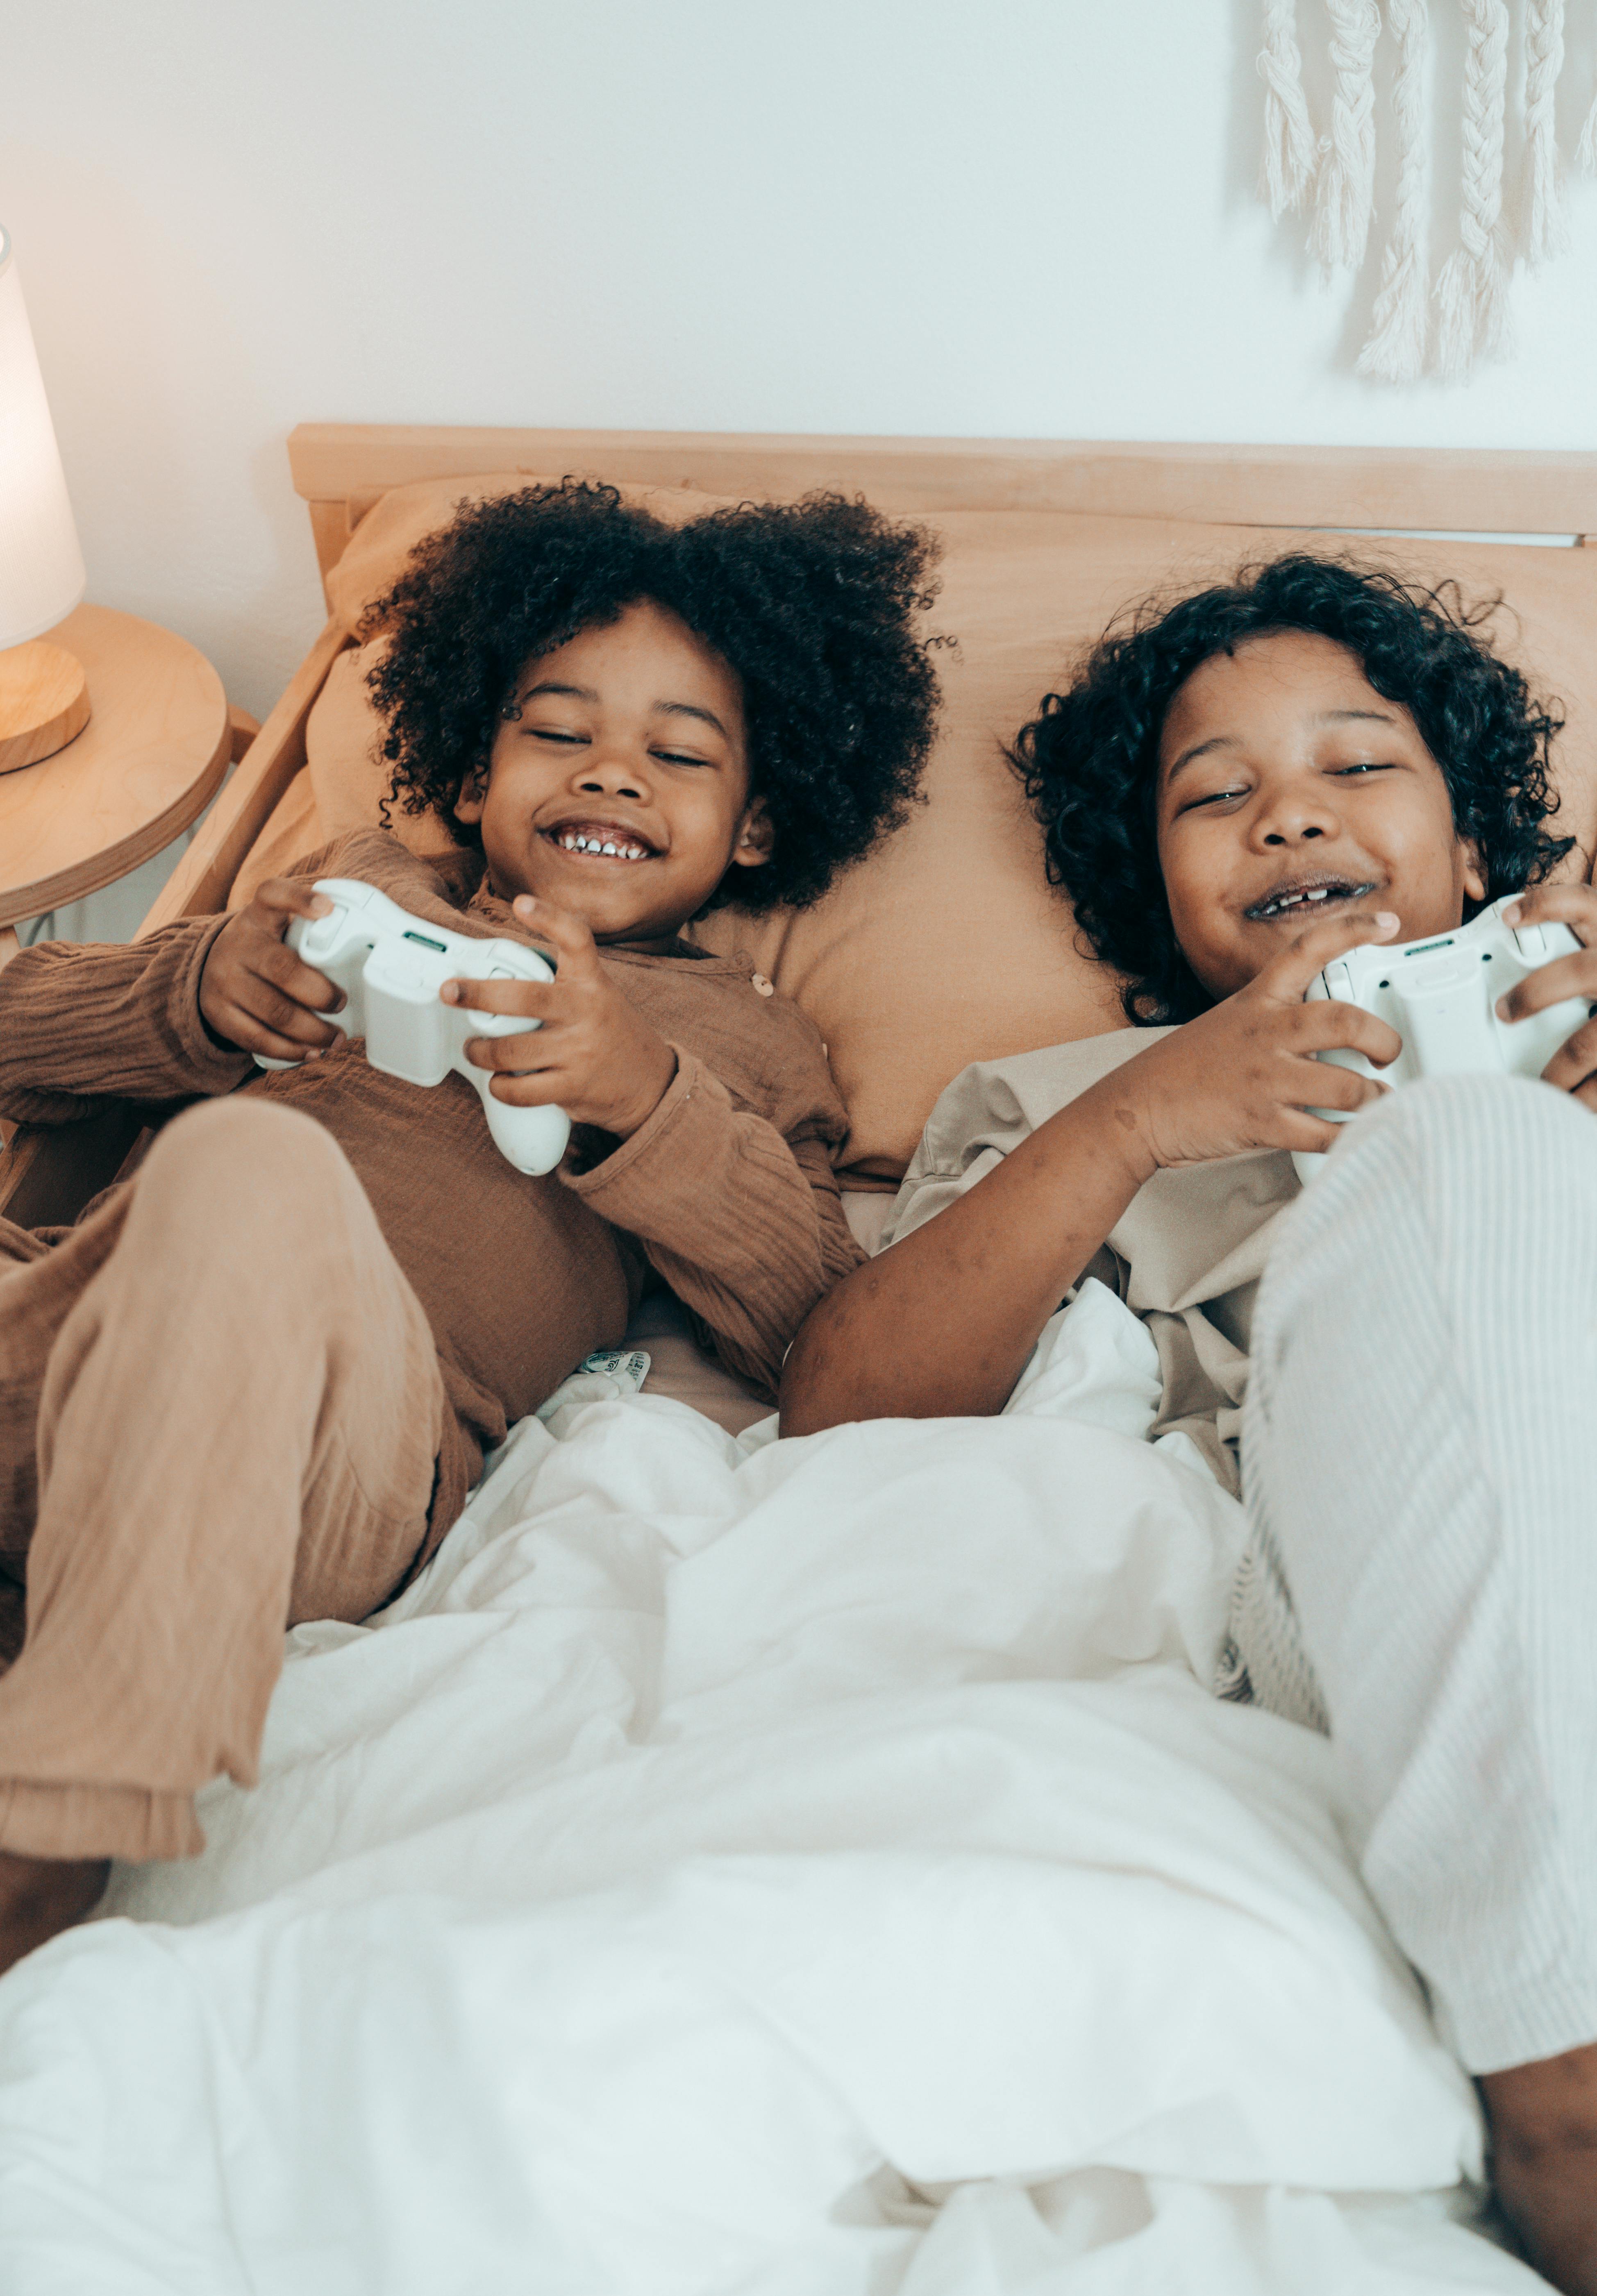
(613, 776)
(1294, 820)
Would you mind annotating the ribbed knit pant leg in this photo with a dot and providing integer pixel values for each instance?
(238, 1409)
(1420, 1465)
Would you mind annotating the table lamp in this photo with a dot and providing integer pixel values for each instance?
(44, 694)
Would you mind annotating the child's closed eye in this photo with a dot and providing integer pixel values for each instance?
(1211, 797)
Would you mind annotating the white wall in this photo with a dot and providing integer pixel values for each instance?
(984, 216)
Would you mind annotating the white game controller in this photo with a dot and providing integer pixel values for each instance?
(1440, 995)
(390, 967)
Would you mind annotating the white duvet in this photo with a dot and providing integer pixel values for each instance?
(795, 1869)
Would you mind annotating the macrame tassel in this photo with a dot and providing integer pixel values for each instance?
(1472, 291)
(1289, 154)
(1586, 150)
(1395, 350)
(1347, 173)
(1547, 232)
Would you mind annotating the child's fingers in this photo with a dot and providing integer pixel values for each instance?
(275, 963)
(1299, 1130)
(1326, 1084)
(1575, 905)
(1287, 977)
(532, 1088)
(1574, 1065)
(567, 936)
(270, 1007)
(243, 1029)
(532, 1000)
(283, 898)
(1327, 1026)
(1575, 975)
(527, 1049)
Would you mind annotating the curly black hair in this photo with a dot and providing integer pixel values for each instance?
(811, 605)
(1090, 759)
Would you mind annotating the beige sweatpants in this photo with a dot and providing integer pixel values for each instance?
(220, 1408)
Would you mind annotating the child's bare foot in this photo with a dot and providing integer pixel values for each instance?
(1544, 2119)
(40, 1896)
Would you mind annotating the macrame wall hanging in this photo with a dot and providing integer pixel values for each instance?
(1330, 171)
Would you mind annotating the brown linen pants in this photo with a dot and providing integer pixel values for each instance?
(221, 1411)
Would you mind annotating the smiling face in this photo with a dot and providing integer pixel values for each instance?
(621, 789)
(1289, 790)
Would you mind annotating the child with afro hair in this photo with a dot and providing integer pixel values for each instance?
(254, 1384)
(1397, 1363)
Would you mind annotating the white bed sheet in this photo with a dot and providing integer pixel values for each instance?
(761, 1867)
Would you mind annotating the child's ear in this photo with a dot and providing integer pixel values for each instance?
(755, 839)
(473, 791)
(1475, 876)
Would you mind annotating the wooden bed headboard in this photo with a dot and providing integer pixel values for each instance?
(340, 469)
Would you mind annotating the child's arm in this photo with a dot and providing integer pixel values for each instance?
(172, 1017)
(942, 1323)
(80, 1025)
(746, 1225)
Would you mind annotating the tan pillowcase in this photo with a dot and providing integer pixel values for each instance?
(374, 556)
(945, 945)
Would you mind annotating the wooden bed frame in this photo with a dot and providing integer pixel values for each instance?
(341, 470)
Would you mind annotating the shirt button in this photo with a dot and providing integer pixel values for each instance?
(762, 987)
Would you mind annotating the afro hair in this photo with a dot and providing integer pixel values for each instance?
(1089, 761)
(812, 605)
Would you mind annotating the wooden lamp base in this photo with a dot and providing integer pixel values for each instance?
(43, 702)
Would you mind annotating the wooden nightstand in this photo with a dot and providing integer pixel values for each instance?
(147, 764)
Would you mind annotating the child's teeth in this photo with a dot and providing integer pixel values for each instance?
(574, 842)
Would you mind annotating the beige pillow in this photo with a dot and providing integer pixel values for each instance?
(947, 946)
(374, 556)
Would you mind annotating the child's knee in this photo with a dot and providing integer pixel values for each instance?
(240, 1169)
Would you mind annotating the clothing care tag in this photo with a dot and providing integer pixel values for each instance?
(609, 1375)
(627, 1365)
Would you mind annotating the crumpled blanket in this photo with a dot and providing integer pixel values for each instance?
(769, 1868)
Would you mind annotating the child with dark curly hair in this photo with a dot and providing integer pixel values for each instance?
(254, 1384)
(1397, 1364)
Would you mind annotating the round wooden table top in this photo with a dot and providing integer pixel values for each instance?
(146, 765)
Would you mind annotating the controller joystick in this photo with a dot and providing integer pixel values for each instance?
(390, 967)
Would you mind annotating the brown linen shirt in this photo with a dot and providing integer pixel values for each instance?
(727, 1191)
(1185, 1255)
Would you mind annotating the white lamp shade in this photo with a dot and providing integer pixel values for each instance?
(41, 566)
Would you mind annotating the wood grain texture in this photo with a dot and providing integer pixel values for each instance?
(148, 761)
(242, 730)
(1455, 489)
(43, 702)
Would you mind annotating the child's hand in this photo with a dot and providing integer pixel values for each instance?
(255, 993)
(595, 1055)
(1573, 1068)
(1244, 1075)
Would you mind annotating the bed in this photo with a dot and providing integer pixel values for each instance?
(738, 1865)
